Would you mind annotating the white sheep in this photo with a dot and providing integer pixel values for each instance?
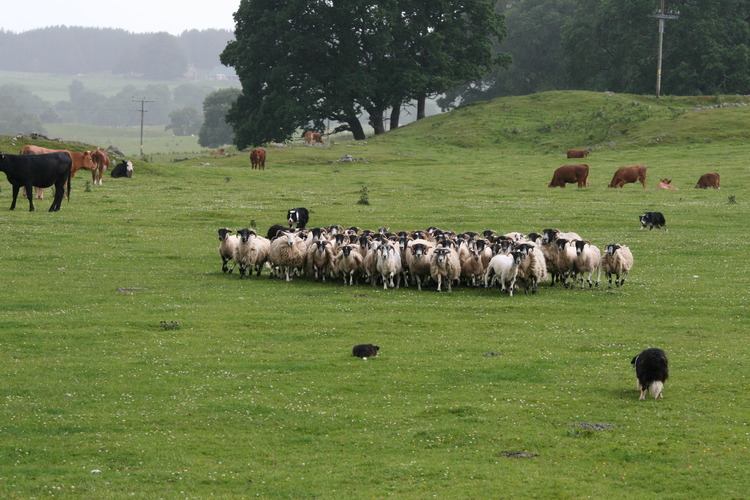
(252, 251)
(444, 264)
(320, 259)
(588, 260)
(348, 262)
(228, 248)
(418, 256)
(533, 266)
(617, 260)
(288, 253)
(389, 264)
(504, 268)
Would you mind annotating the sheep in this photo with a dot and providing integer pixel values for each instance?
(288, 253)
(504, 268)
(252, 251)
(588, 260)
(320, 259)
(388, 264)
(228, 248)
(418, 259)
(617, 260)
(533, 267)
(551, 252)
(472, 268)
(348, 262)
(444, 263)
(565, 261)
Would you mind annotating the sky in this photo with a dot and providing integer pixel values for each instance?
(137, 16)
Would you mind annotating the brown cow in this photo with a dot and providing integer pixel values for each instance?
(311, 137)
(101, 162)
(258, 158)
(710, 180)
(578, 153)
(80, 160)
(666, 184)
(625, 175)
(570, 174)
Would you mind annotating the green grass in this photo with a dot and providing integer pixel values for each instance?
(254, 391)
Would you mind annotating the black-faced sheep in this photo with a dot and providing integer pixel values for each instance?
(252, 251)
(617, 260)
(533, 266)
(418, 257)
(588, 260)
(320, 259)
(444, 265)
(348, 263)
(228, 248)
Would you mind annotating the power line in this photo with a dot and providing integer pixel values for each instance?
(142, 110)
(661, 15)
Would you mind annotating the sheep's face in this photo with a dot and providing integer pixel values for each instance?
(549, 235)
(347, 250)
(418, 250)
(223, 233)
(516, 256)
(561, 244)
(321, 246)
(611, 249)
(291, 238)
(442, 254)
(580, 246)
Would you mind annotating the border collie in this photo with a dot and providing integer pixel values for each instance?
(653, 219)
(652, 370)
(298, 216)
(365, 350)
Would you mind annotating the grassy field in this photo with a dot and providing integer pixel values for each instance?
(132, 366)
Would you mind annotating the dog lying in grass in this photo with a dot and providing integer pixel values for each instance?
(365, 351)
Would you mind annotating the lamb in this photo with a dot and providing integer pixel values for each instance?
(444, 263)
(320, 259)
(228, 248)
(389, 264)
(348, 262)
(252, 251)
(533, 267)
(617, 260)
(288, 253)
(588, 260)
(418, 259)
(504, 268)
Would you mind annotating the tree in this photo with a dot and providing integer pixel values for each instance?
(305, 61)
(185, 121)
(161, 57)
(215, 130)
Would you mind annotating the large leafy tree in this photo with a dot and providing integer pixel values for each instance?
(304, 61)
(215, 130)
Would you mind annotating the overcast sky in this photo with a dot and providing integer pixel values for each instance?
(138, 16)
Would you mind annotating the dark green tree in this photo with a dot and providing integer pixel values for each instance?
(305, 61)
(216, 131)
(185, 121)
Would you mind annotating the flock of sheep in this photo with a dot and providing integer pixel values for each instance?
(433, 256)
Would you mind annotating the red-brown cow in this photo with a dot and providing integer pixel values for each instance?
(710, 180)
(666, 184)
(258, 158)
(568, 174)
(311, 137)
(625, 175)
(578, 153)
(80, 160)
(101, 161)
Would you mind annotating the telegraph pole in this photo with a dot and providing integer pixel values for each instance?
(661, 15)
(142, 110)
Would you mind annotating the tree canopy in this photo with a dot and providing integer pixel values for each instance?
(215, 131)
(304, 61)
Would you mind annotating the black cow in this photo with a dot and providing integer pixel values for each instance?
(123, 169)
(298, 216)
(41, 171)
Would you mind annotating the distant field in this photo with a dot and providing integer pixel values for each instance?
(131, 366)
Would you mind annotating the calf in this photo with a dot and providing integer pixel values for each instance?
(123, 169)
(43, 170)
(625, 175)
(577, 153)
(258, 158)
(710, 180)
(666, 184)
(569, 174)
(101, 162)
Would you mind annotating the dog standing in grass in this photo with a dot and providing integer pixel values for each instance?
(652, 370)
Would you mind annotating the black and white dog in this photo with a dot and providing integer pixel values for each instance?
(653, 219)
(298, 216)
(365, 350)
(652, 370)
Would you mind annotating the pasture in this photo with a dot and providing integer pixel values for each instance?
(132, 366)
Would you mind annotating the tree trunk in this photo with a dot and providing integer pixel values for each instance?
(376, 120)
(356, 128)
(420, 106)
(395, 114)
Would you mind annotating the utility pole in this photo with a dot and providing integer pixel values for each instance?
(661, 15)
(142, 110)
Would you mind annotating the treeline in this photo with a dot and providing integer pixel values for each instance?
(75, 50)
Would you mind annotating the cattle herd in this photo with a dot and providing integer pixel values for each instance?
(432, 257)
(37, 168)
(579, 173)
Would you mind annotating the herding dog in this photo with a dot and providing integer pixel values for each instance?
(365, 350)
(653, 219)
(652, 370)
